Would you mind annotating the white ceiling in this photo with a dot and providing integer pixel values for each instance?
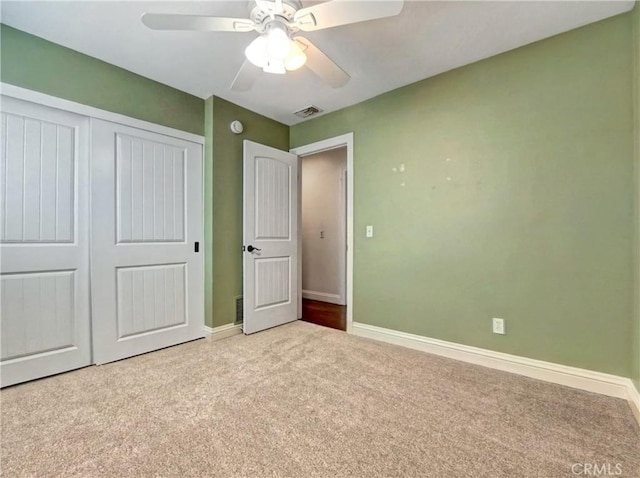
(427, 38)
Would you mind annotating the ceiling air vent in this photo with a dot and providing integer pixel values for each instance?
(308, 111)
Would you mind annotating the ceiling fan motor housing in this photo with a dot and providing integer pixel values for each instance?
(262, 17)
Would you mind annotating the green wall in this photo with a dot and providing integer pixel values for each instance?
(636, 288)
(226, 217)
(515, 202)
(36, 64)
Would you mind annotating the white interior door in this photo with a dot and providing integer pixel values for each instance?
(44, 256)
(270, 237)
(147, 289)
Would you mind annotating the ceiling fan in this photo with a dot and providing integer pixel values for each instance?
(279, 49)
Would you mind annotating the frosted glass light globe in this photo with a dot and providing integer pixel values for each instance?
(278, 42)
(256, 52)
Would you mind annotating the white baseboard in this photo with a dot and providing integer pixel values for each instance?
(634, 400)
(322, 296)
(223, 331)
(597, 382)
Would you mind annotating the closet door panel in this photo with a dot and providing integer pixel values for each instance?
(44, 250)
(147, 278)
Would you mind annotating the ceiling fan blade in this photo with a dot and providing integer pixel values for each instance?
(169, 21)
(246, 77)
(322, 65)
(342, 12)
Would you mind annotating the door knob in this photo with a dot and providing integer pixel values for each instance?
(251, 249)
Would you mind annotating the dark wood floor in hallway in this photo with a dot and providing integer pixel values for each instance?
(324, 313)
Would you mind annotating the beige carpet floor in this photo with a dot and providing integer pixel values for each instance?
(305, 401)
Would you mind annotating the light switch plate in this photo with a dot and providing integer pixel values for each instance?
(369, 231)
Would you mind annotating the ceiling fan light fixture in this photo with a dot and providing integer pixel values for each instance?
(274, 51)
(256, 52)
(278, 41)
(275, 65)
(296, 58)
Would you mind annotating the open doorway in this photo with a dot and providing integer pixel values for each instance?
(323, 201)
(325, 287)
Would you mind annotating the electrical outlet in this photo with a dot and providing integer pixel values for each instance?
(498, 326)
(369, 231)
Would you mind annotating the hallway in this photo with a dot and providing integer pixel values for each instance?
(324, 313)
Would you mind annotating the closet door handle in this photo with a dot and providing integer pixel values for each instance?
(251, 249)
(196, 247)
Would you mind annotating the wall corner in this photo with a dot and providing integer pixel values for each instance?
(208, 211)
(635, 366)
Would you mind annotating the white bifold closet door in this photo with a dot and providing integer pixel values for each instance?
(147, 269)
(44, 252)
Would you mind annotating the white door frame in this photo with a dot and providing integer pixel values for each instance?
(345, 140)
